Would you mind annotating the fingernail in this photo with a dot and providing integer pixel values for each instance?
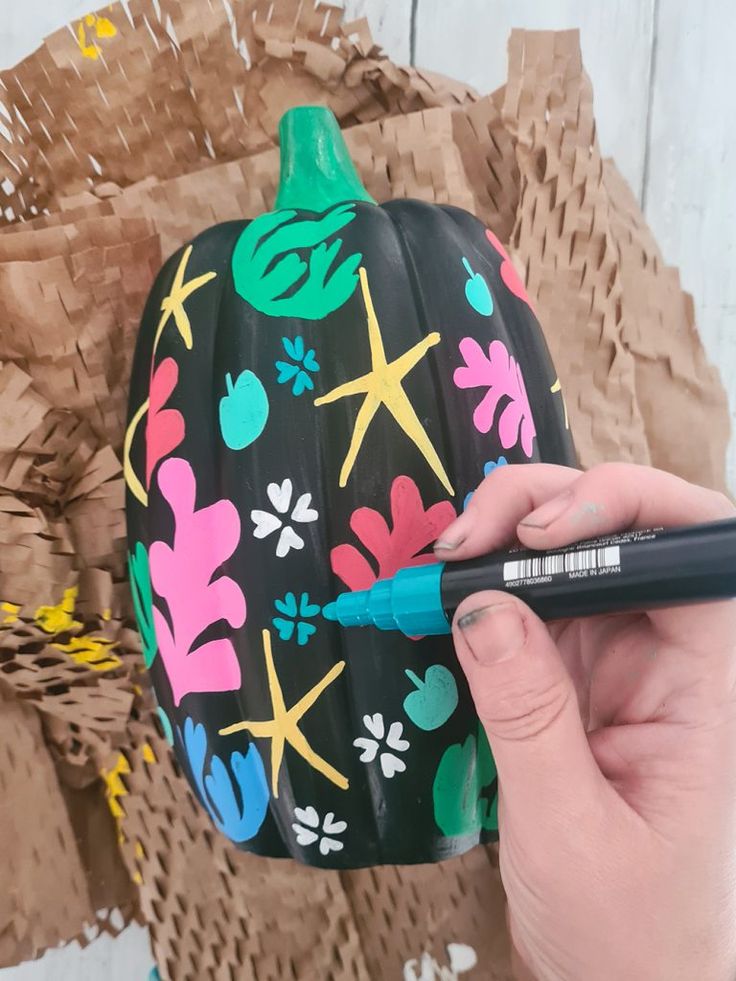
(493, 633)
(549, 512)
(453, 536)
(442, 545)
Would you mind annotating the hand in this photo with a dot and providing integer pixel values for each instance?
(614, 739)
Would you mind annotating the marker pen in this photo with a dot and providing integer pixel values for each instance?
(633, 570)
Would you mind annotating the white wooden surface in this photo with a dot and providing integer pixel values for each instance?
(617, 42)
(690, 190)
(662, 73)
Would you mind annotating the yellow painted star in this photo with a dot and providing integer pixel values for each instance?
(382, 385)
(283, 728)
(174, 302)
(171, 305)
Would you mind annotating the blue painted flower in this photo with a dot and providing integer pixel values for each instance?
(488, 467)
(298, 372)
(295, 617)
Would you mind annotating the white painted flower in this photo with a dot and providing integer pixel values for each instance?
(390, 763)
(310, 829)
(266, 523)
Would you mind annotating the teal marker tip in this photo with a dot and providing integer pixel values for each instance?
(411, 602)
(329, 611)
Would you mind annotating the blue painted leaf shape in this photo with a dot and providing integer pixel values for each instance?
(289, 348)
(307, 609)
(304, 631)
(302, 382)
(195, 745)
(491, 465)
(310, 361)
(284, 627)
(240, 818)
(287, 605)
(286, 371)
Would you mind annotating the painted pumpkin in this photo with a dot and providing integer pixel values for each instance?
(314, 394)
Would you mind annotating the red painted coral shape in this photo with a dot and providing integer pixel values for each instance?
(183, 575)
(508, 273)
(499, 372)
(165, 427)
(413, 530)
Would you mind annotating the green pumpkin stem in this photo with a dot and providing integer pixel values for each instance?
(229, 383)
(316, 169)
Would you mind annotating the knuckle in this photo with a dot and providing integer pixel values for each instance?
(521, 709)
(498, 478)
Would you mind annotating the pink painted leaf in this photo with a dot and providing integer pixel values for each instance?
(183, 575)
(508, 273)
(499, 372)
(414, 530)
(165, 427)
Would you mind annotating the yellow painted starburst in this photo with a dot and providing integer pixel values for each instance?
(171, 306)
(283, 728)
(382, 385)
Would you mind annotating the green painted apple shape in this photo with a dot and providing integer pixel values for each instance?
(243, 411)
(477, 292)
(434, 700)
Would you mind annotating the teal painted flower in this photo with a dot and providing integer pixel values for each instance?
(297, 370)
(295, 618)
(489, 467)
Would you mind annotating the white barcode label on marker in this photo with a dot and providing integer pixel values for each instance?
(552, 565)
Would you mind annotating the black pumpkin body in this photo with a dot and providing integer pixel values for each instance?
(380, 800)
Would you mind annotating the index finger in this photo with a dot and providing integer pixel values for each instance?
(506, 496)
(620, 496)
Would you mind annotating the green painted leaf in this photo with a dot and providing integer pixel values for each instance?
(276, 255)
(465, 771)
(140, 587)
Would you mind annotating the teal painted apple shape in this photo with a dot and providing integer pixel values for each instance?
(477, 292)
(434, 700)
(243, 411)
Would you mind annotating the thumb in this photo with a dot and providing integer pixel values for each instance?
(528, 705)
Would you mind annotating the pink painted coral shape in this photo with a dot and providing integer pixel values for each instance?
(499, 372)
(183, 575)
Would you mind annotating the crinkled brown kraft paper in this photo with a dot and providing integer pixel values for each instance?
(121, 139)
